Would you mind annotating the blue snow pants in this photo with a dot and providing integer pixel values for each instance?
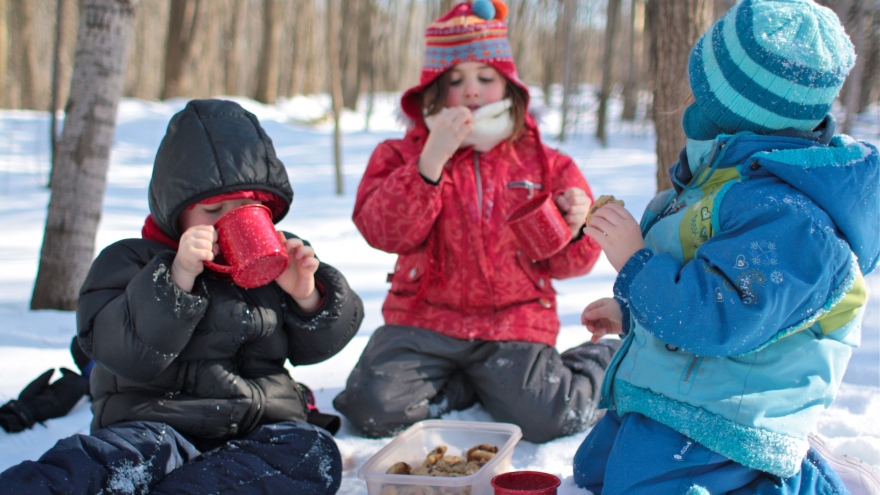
(143, 457)
(635, 455)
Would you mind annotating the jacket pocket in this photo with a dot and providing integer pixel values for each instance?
(536, 271)
(408, 272)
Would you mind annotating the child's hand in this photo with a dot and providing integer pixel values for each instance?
(603, 317)
(447, 133)
(617, 232)
(575, 205)
(197, 245)
(298, 279)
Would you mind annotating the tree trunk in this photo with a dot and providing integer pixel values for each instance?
(334, 61)
(80, 176)
(181, 32)
(871, 50)
(4, 53)
(613, 19)
(267, 83)
(351, 12)
(676, 26)
(233, 55)
(857, 27)
(633, 69)
(60, 16)
(568, 16)
(30, 84)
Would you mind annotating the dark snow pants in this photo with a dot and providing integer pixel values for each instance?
(152, 458)
(408, 374)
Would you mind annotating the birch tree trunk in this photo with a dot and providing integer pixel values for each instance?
(80, 176)
(677, 25)
(334, 60)
(267, 82)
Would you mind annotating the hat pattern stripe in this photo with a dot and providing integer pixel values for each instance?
(443, 57)
(457, 38)
(728, 45)
(784, 67)
(747, 113)
(754, 84)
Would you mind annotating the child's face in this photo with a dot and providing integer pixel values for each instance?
(208, 214)
(474, 84)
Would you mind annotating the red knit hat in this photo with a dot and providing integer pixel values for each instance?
(469, 32)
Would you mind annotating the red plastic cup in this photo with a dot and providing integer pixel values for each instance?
(539, 227)
(525, 483)
(249, 243)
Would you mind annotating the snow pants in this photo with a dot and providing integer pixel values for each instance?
(635, 455)
(408, 374)
(143, 457)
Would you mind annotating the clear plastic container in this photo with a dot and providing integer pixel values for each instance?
(414, 444)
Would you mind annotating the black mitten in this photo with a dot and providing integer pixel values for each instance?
(40, 401)
(329, 422)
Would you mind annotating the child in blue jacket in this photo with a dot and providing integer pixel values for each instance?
(741, 291)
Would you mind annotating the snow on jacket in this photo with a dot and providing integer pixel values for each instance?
(210, 363)
(460, 271)
(748, 299)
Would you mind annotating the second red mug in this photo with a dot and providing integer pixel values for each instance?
(540, 227)
(250, 245)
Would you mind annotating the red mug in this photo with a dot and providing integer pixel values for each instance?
(525, 483)
(539, 227)
(249, 243)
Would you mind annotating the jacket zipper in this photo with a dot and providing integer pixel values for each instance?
(479, 184)
(690, 370)
(671, 208)
(525, 184)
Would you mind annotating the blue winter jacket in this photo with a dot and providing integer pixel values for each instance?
(747, 301)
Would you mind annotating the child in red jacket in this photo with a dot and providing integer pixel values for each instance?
(469, 316)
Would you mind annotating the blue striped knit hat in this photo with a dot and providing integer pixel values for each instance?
(767, 65)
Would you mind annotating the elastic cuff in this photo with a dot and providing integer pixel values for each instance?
(626, 276)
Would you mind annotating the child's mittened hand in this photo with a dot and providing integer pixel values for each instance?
(197, 245)
(575, 205)
(448, 131)
(615, 229)
(603, 317)
(298, 279)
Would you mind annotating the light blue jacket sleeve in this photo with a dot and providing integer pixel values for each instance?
(773, 262)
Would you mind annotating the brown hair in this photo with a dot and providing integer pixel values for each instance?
(434, 97)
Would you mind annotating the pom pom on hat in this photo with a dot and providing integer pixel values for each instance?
(500, 9)
(484, 9)
(765, 66)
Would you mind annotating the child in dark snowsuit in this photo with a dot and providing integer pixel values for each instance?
(190, 392)
(742, 291)
(469, 316)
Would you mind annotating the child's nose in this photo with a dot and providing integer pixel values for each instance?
(471, 90)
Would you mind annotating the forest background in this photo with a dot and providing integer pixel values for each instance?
(76, 58)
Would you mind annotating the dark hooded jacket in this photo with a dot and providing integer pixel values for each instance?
(210, 363)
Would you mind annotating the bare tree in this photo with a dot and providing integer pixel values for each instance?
(857, 25)
(30, 83)
(613, 20)
(234, 45)
(4, 52)
(182, 23)
(54, 105)
(568, 15)
(267, 75)
(675, 26)
(335, 64)
(633, 68)
(80, 176)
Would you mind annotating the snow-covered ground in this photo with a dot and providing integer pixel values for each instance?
(33, 341)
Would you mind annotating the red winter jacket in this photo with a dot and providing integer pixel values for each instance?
(460, 271)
